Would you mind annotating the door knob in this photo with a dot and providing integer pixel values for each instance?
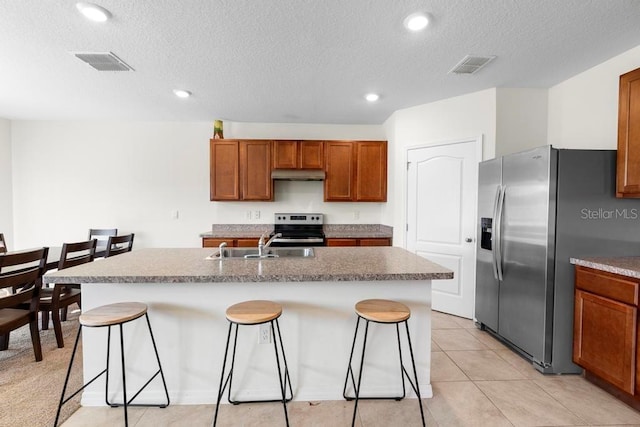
(468, 240)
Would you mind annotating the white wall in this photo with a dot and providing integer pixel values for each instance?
(583, 110)
(62, 186)
(521, 119)
(6, 193)
(471, 115)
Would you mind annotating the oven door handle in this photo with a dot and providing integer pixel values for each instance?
(305, 240)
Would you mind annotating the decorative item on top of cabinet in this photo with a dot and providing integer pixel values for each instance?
(628, 167)
(356, 171)
(298, 154)
(605, 330)
(240, 170)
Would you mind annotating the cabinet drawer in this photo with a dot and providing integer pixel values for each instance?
(607, 285)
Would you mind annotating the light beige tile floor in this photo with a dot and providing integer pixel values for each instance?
(476, 381)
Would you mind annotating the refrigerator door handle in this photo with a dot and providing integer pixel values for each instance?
(498, 232)
(494, 237)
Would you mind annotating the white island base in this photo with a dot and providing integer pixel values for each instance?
(317, 324)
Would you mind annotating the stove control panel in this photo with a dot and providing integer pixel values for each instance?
(299, 218)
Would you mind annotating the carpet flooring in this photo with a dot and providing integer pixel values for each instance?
(30, 390)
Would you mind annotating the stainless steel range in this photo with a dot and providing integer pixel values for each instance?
(298, 229)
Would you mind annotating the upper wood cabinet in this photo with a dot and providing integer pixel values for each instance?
(298, 155)
(224, 158)
(371, 171)
(241, 170)
(339, 166)
(356, 171)
(628, 167)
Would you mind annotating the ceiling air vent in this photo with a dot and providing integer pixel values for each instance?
(103, 61)
(471, 64)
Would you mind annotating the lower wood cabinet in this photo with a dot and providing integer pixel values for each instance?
(605, 328)
(214, 242)
(359, 242)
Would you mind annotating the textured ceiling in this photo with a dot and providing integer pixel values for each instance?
(307, 61)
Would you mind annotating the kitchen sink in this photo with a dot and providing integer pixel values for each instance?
(252, 253)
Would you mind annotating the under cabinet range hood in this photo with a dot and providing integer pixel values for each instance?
(297, 174)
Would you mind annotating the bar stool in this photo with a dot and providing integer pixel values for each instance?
(112, 315)
(385, 312)
(254, 313)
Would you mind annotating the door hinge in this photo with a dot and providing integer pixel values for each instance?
(407, 227)
(408, 164)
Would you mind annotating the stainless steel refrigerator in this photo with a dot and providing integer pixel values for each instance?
(536, 210)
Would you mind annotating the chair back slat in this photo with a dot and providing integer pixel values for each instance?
(22, 272)
(102, 235)
(77, 253)
(3, 244)
(117, 245)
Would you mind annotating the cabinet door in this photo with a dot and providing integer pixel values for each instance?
(310, 155)
(285, 154)
(342, 242)
(605, 338)
(371, 171)
(375, 242)
(628, 166)
(255, 159)
(214, 242)
(224, 170)
(246, 243)
(339, 164)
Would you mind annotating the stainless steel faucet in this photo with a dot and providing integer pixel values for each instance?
(262, 245)
(221, 249)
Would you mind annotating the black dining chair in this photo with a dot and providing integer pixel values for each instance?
(3, 244)
(21, 274)
(102, 235)
(117, 245)
(57, 299)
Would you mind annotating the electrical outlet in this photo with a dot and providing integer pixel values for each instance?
(356, 214)
(265, 334)
(256, 214)
(175, 214)
(247, 215)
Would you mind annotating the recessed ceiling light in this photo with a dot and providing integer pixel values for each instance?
(372, 97)
(416, 21)
(180, 93)
(93, 11)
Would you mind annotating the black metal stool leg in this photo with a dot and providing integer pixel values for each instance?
(415, 374)
(286, 366)
(66, 379)
(124, 379)
(282, 382)
(404, 393)
(155, 349)
(357, 389)
(223, 383)
(349, 370)
(233, 364)
(106, 383)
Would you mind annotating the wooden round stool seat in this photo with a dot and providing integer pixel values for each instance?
(113, 314)
(383, 311)
(253, 312)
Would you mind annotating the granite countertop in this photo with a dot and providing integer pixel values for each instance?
(626, 266)
(182, 265)
(335, 231)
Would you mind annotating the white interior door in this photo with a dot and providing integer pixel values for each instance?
(441, 217)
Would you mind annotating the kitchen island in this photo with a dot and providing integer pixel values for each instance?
(188, 294)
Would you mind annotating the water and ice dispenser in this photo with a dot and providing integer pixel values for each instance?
(486, 232)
